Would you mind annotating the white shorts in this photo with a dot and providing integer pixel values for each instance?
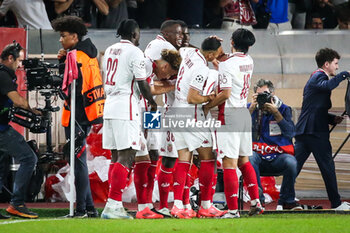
(193, 140)
(168, 148)
(153, 139)
(121, 134)
(235, 138)
(234, 144)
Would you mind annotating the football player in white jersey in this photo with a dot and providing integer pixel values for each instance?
(188, 101)
(171, 38)
(123, 67)
(158, 72)
(234, 138)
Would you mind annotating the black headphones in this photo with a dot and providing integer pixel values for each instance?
(11, 49)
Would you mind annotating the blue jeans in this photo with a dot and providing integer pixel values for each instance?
(12, 143)
(284, 164)
(81, 173)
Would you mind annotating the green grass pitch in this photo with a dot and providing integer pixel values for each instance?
(278, 223)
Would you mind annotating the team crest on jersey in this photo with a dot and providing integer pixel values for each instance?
(199, 78)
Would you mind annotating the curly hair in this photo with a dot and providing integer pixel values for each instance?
(71, 24)
(172, 57)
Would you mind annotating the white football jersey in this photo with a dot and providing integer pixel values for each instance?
(150, 79)
(155, 47)
(193, 73)
(235, 74)
(153, 51)
(211, 83)
(123, 65)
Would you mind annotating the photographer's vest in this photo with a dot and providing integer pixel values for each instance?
(92, 91)
(270, 146)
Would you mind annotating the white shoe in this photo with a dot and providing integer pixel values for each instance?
(165, 212)
(115, 213)
(231, 215)
(344, 206)
(279, 207)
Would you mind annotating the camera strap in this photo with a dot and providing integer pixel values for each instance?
(259, 123)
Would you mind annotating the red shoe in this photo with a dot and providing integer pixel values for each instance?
(148, 214)
(191, 213)
(212, 212)
(179, 213)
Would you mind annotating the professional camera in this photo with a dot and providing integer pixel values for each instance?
(263, 98)
(35, 123)
(42, 75)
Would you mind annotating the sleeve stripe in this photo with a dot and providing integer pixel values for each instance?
(193, 87)
(140, 78)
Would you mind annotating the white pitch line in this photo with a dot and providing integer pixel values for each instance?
(29, 220)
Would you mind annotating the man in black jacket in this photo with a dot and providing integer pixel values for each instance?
(312, 129)
(72, 30)
(11, 142)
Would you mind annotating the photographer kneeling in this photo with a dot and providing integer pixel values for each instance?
(11, 142)
(273, 150)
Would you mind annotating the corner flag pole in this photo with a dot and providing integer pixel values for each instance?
(72, 149)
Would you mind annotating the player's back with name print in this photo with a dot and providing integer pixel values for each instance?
(123, 62)
(236, 72)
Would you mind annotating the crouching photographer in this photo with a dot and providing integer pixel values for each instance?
(273, 150)
(11, 142)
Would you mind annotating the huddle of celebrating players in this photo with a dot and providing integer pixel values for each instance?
(171, 67)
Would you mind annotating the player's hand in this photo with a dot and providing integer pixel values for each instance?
(338, 119)
(205, 110)
(211, 97)
(61, 53)
(216, 37)
(153, 108)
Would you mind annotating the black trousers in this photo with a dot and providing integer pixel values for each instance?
(321, 148)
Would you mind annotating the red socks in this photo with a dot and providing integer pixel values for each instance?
(111, 165)
(180, 175)
(231, 188)
(150, 184)
(213, 187)
(141, 181)
(205, 175)
(186, 195)
(119, 175)
(164, 179)
(249, 177)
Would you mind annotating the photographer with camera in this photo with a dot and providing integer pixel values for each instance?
(273, 150)
(11, 142)
(312, 134)
(89, 100)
